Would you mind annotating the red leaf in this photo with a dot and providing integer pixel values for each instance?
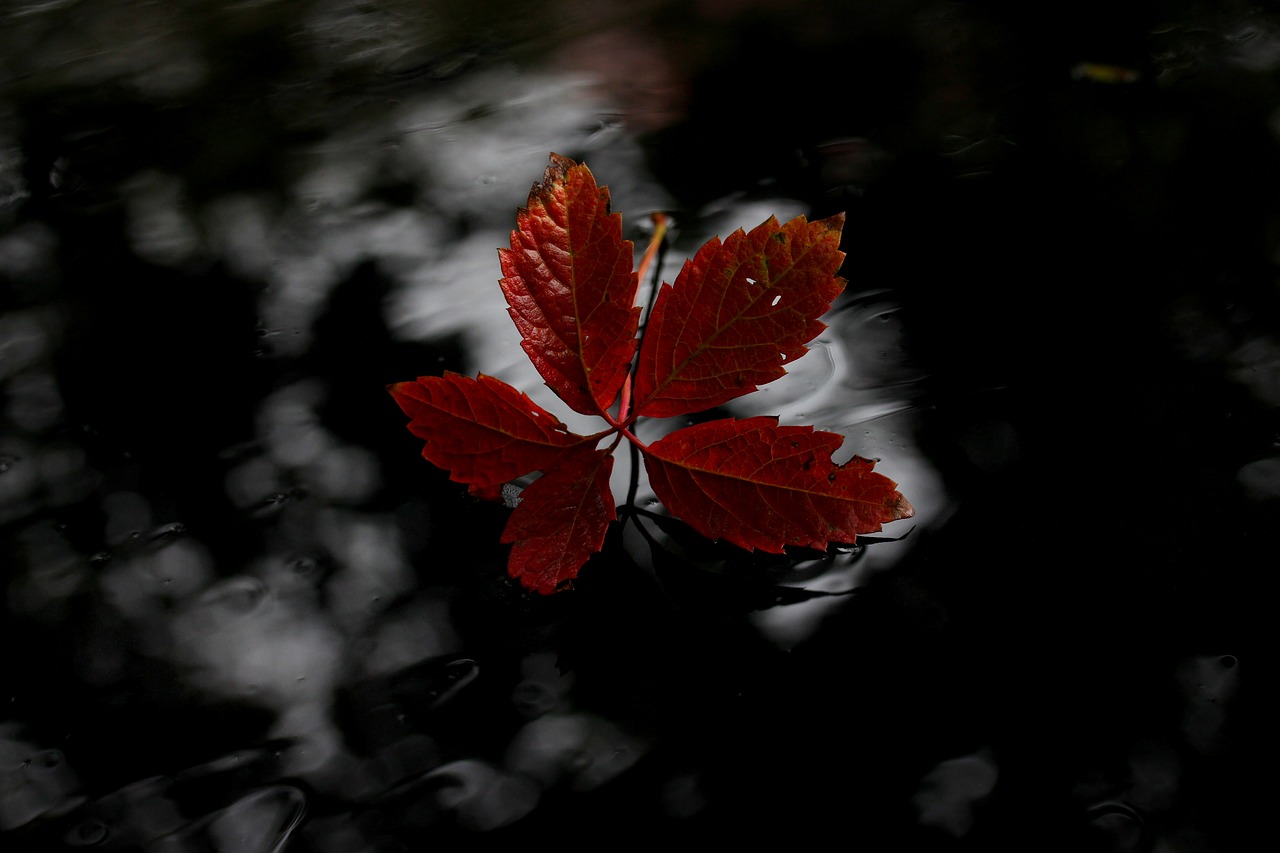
(482, 431)
(570, 287)
(561, 520)
(761, 485)
(738, 311)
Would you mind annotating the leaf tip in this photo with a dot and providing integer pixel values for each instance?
(399, 391)
(557, 172)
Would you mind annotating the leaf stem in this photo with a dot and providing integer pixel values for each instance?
(633, 487)
(657, 247)
(656, 250)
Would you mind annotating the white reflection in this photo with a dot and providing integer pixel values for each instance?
(159, 226)
(460, 295)
(481, 796)
(27, 251)
(373, 571)
(240, 230)
(35, 402)
(54, 573)
(406, 636)
(36, 782)
(106, 42)
(858, 380)
(341, 33)
(243, 639)
(950, 793)
(1257, 366)
(345, 474)
(142, 586)
(261, 821)
(1254, 46)
(27, 339)
(300, 452)
(1261, 478)
(19, 478)
(476, 146)
(290, 429)
(575, 750)
(13, 186)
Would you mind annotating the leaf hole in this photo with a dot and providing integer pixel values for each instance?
(831, 478)
(751, 280)
(776, 300)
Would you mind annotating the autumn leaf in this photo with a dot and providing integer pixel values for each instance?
(570, 287)
(764, 486)
(561, 520)
(738, 312)
(482, 431)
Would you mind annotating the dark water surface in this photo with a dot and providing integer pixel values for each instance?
(241, 613)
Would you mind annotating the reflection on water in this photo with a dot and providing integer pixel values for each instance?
(241, 613)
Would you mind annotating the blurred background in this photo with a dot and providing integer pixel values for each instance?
(240, 612)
